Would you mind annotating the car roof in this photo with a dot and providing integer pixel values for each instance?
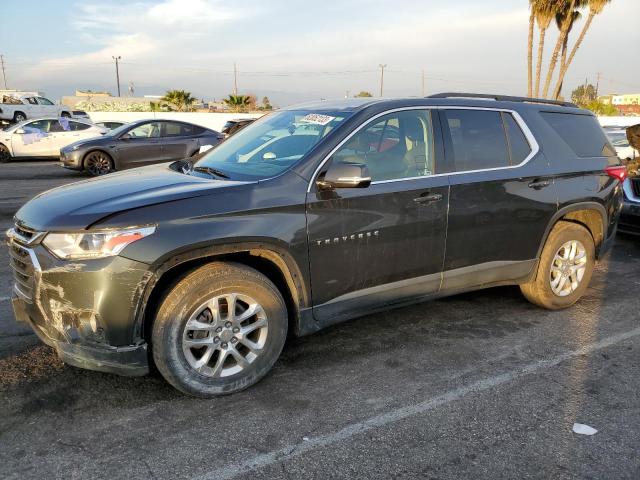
(381, 104)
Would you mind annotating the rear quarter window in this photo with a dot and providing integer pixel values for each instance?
(581, 132)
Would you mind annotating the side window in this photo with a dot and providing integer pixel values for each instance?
(75, 126)
(395, 146)
(518, 143)
(581, 132)
(147, 130)
(42, 125)
(55, 126)
(31, 101)
(477, 139)
(44, 101)
(171, 129)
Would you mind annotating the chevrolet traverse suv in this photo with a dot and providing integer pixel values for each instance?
(310, 216)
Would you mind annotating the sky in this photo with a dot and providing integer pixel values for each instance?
(295, 51)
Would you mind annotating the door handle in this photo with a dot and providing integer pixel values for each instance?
(538, 184)
(428, 198)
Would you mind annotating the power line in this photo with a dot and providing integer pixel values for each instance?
(235, 79)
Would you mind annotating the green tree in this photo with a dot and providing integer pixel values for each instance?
(363, 94)
(584, 95)
(238, 103)
(601, 108)
(266, 104)
(181, 100)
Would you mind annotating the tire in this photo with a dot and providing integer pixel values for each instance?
(98, 163)
(558, 259)
(5, 154)
(19, 117)
(185, 321)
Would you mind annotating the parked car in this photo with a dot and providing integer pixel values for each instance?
(111, 124)
(233, 126)
(203, 268)
(136, 144)
(630, 216)
(19, 109)
(44, 137)
(618, 138)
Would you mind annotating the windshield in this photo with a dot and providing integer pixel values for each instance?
(272, 144)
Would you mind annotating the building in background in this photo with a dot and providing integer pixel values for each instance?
(626, 104)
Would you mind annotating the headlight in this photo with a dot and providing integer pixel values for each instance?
(83, 245)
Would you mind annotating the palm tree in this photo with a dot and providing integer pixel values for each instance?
(180, 99)
(238, 103)
(544, 11)
(569, 6)
(595, 8)
(561, 16)
(532, 24)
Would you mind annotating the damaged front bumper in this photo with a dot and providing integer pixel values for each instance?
(86, 310)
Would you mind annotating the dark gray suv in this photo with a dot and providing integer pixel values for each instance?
(310, 216)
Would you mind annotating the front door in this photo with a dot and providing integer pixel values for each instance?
(140, 146)
(34, 139)
(385, 243)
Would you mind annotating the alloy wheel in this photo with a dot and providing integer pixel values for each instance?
(225, 335)
(97, 163)
(567, 268)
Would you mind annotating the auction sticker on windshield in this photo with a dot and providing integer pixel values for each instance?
(317, 118)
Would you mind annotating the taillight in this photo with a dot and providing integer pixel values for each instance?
(619, 172)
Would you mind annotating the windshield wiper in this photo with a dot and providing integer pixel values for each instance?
(211, 171)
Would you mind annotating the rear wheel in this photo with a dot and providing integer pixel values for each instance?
(219, 330)
(565, 268)
(98, 163)
(19, 117)
(5, 154)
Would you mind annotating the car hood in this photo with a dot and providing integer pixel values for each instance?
(99, 139)
(79, 205)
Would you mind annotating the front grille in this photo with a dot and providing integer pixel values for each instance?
(23, 270)
(635, 184)
(24, 233)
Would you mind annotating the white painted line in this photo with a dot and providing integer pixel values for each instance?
(293, 450)
(4, 299)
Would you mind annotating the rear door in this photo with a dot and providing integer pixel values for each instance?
(179, 140)
(500, 200)
(382, 244)
(140, 146)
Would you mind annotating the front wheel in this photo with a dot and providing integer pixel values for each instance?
(5, 154)
(19, 117)
(98, 163)
(219, 330)
(565, 268)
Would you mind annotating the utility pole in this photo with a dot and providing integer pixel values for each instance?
(117, 71)
(423, 83)
(382, 67)
(235, 79)
(4, 76)
(598, 84)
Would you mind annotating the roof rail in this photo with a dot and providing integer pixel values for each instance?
(502, 98)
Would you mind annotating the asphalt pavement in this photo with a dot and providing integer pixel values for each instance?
(482, 385)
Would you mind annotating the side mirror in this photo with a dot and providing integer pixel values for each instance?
(345, 175)
(269, 156)
(125, 136)
(20, 131)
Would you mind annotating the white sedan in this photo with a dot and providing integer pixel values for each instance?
(44, 137)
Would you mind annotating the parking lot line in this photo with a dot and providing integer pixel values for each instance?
(4, 299)
(295, 449)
